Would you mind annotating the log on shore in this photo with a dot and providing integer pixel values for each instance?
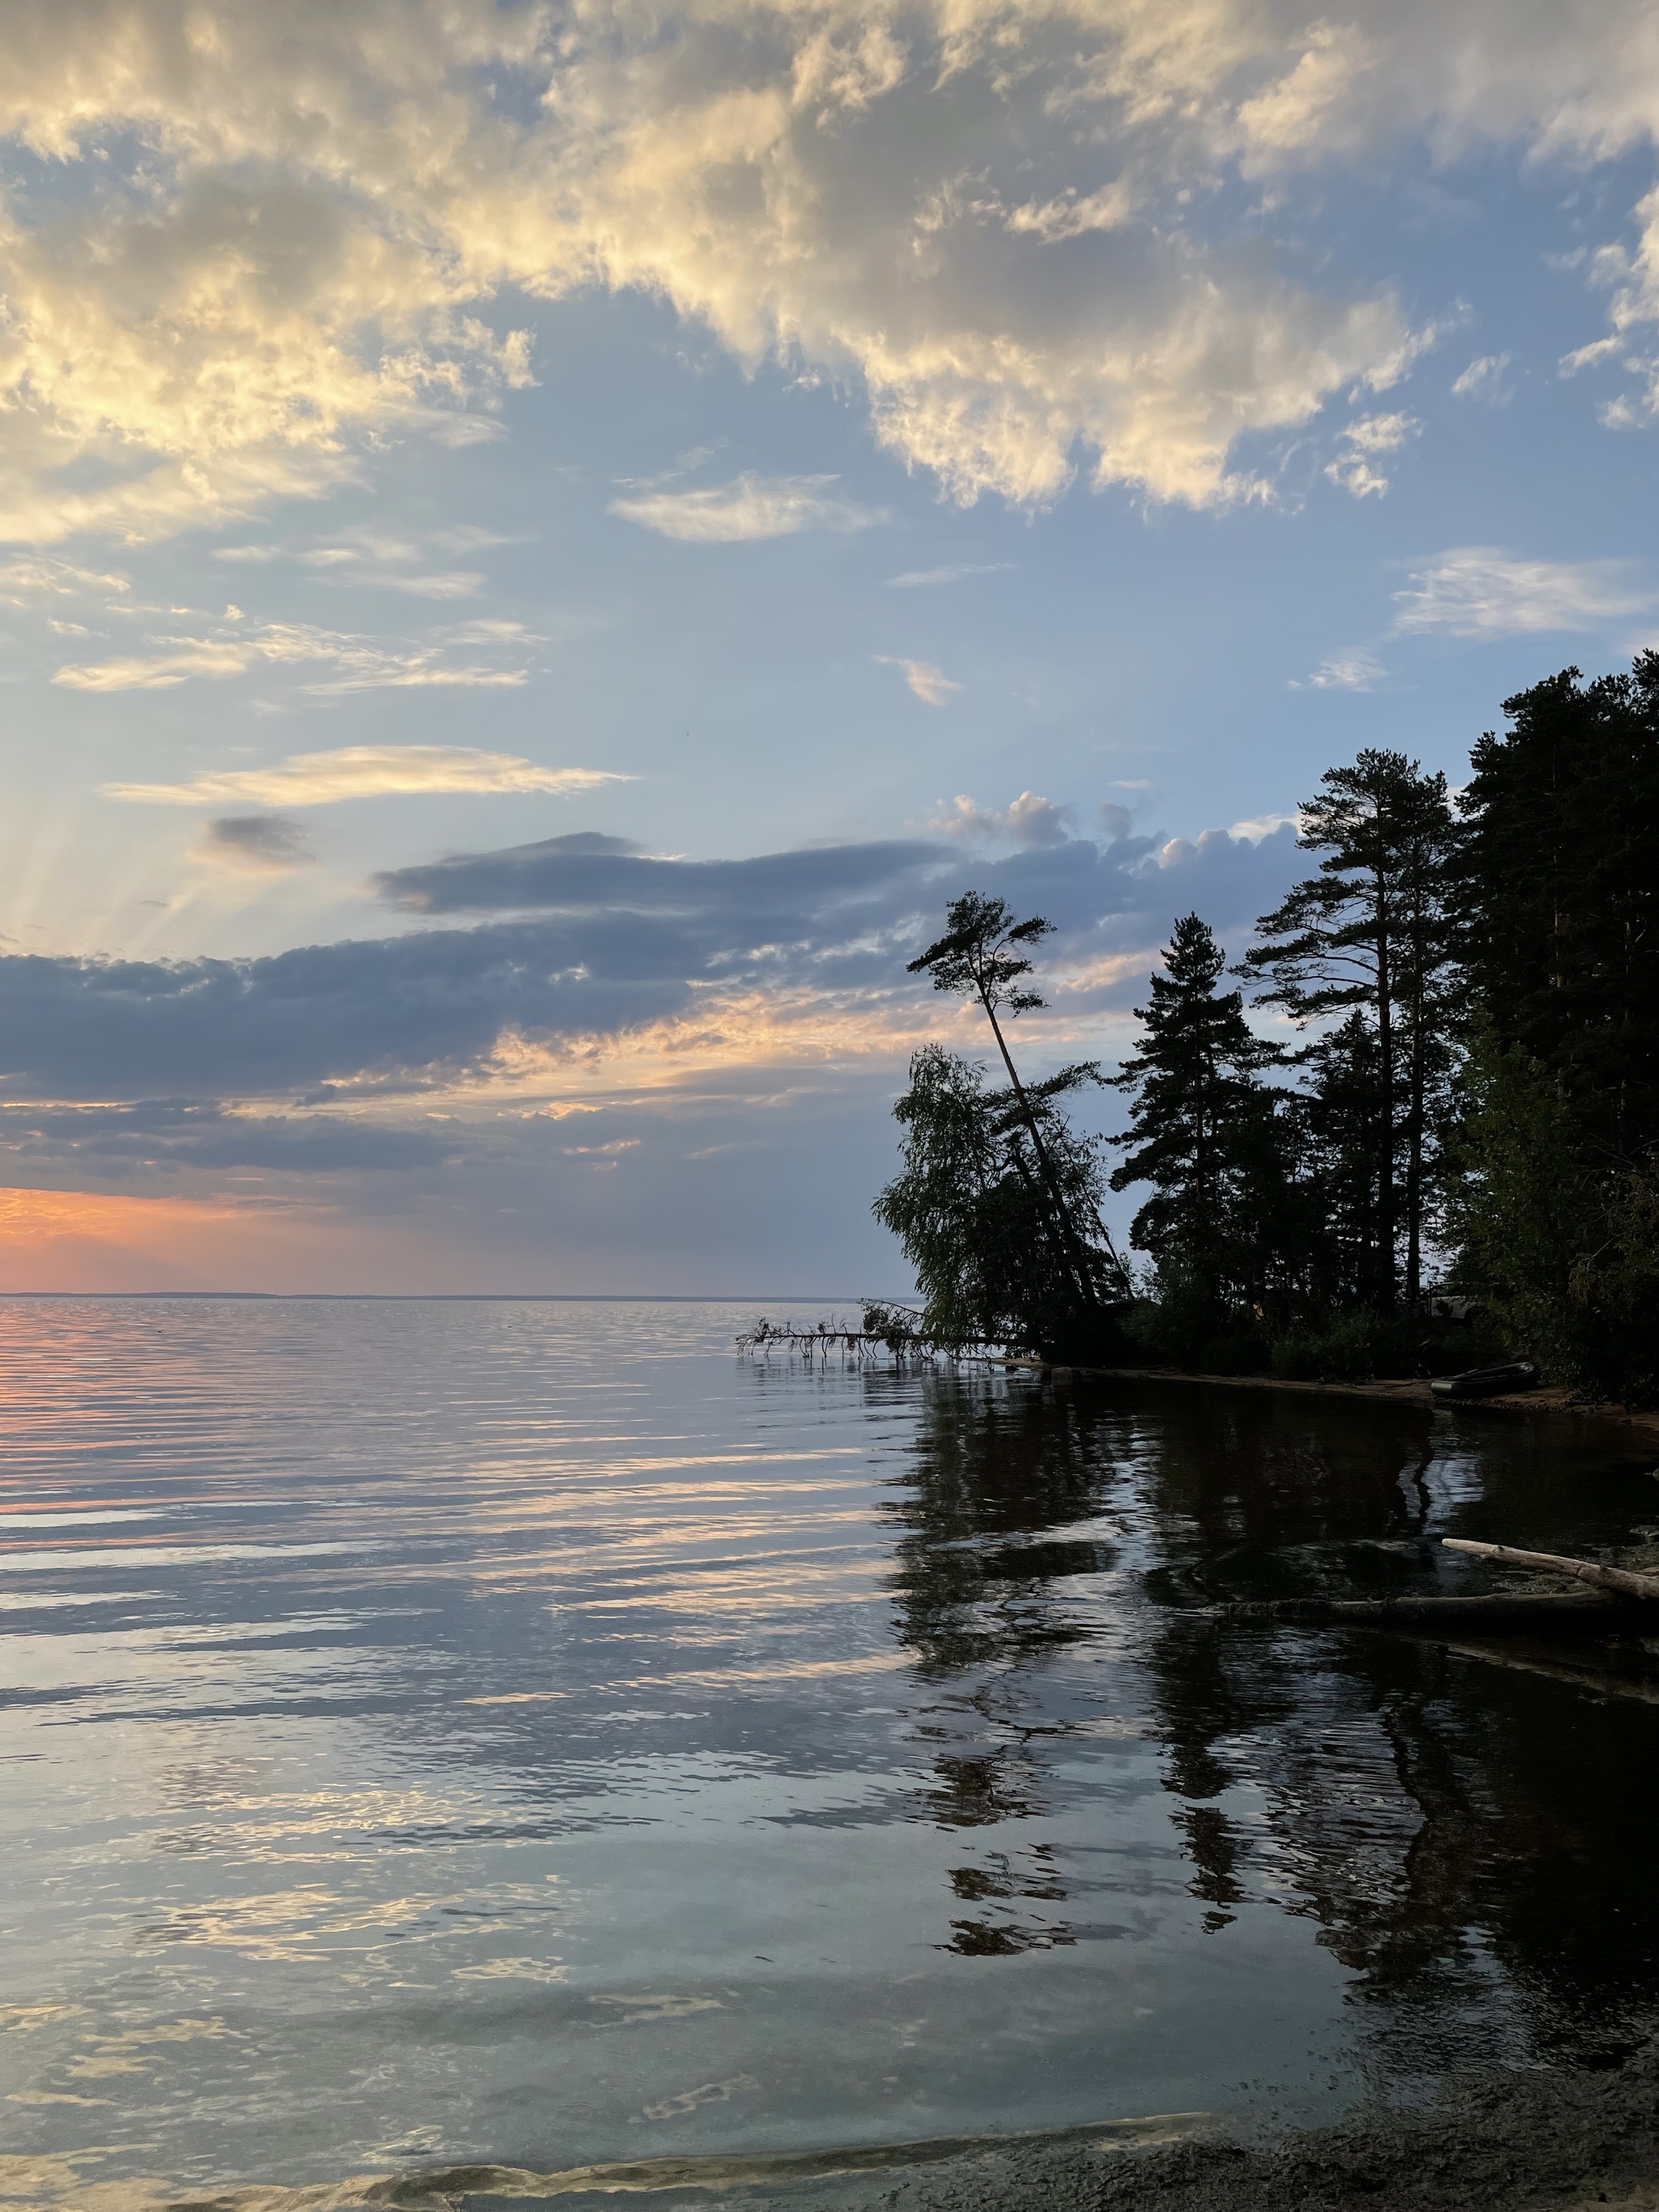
(1520, 1610)
(1622, 1580)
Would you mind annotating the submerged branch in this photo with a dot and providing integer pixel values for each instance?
(1522, 1609)
(899, 1331)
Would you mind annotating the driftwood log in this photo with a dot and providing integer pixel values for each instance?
(1614, 1595)
(1619, 1579)
(1522, 1609)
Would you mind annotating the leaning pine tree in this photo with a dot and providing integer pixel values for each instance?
(997, 1204)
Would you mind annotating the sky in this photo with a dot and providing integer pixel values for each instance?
(540, 545)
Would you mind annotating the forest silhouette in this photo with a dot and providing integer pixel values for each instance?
(1441, 1146)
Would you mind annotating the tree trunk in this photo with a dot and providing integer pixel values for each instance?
(1414, 1117)
(1064, 1224)
(1386, 1222)
(1624, 1580)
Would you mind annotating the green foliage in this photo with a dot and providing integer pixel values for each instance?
(1567, 1263)
(1561, 889)
(1192, 1079)
(1352, 1348)
(1479, 991)
(1615, 1290)
(977, 1218)
(1524, 1210)
(972, 956)
(1180, 1322)
(1370, 942)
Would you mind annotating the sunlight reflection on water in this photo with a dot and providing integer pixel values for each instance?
(521, 1731)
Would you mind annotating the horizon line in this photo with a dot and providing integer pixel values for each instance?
(494, 1297)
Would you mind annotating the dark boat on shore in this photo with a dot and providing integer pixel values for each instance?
(1487, 1382)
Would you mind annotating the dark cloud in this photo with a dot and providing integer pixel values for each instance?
(604, 940)
(170, 1135)
(437, 1003)
(260, 843)
(590, 874)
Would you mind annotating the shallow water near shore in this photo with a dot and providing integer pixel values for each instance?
(439, 1733)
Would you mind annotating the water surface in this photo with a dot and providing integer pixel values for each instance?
(450, 1731)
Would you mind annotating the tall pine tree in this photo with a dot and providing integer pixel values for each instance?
(1372, 936)
(1202, 1130)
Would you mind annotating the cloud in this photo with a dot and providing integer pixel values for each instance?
(242, 291)
(258, 289)
(749, 507)
(589, 953)
(917, 579)
(360, 664)
(930, 685)
(365, 772)
(172, 1134)
(436, 584)
(254, 844)
(1478, 590)
(180, 660)
(44, 576)
(588, 873)
(1370, 436)
(1313, 103)
(1357, 668)
(1483, 379)
(1027, 820)
(1590, 356)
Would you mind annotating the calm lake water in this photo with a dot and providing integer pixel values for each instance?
(452, 1731)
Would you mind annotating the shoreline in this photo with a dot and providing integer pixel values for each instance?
(1546, 2140)
(1407, 1391)
(1530, 2139)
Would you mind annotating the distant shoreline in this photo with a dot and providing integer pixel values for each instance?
(462, 1297)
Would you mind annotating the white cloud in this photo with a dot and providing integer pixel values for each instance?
(1366, 439)
(1259, 826)
(1029, 821)
(931, 685)
(1478, 590)
(917, 579)
(359, 664)
(45, 577)
(1484, 379)
(1312, 106)
(278, 244)
(749, 507)
(364, 772)
(1589, 356)
(1355, 669)
(441, 584)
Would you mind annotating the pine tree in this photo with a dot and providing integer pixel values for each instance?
(1562, 886)
(1373, 936)
(1202, 1129)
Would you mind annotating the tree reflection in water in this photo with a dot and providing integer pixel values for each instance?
(1470, 1841)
